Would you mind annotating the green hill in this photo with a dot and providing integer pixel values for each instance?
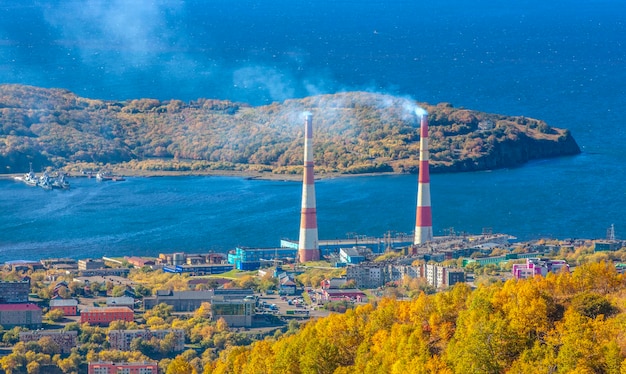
(355, 132)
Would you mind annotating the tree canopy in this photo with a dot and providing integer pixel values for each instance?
(355, 132)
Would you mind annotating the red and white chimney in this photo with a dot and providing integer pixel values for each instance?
(308, 246)
(424, 218)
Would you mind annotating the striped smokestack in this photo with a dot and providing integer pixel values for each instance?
(308, 248)
(424, 218)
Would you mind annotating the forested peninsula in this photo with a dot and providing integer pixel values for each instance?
(355, 133)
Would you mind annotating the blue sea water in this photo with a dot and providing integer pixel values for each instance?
(560, 61)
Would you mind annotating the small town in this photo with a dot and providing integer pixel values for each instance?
(152, 315)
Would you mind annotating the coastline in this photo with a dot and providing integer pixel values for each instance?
(218, 173)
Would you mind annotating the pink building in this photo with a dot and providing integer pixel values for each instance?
(335, 294)
(538, 266)
(123, 367)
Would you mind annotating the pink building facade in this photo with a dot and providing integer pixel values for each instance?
(538, 266)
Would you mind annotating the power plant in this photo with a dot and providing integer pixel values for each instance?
(424, 217)
(308, 246)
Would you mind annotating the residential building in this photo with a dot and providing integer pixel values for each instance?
(66, 340)
(14, 292)
(121, 339)
(441, 276)
(286, 286)
(25, 315)
(367, 275)
(102, 367)
(113, 279)
(104, 316)
(538, 266)
(397, 272)
(68, 306)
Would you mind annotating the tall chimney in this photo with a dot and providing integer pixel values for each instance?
(308, 247)
(424, 218)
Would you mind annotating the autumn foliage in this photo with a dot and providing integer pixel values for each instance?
(559, 324)
(355, 132)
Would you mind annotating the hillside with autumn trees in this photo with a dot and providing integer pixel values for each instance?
(355, 132)
(563, 323)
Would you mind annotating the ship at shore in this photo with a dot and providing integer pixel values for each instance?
(104, 176)
(29, 178)
(45, 181)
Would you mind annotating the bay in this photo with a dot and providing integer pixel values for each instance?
(560, 61)
(148, 216)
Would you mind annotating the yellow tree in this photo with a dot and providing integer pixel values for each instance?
(180, 366)
(483, 342)
(526, 307)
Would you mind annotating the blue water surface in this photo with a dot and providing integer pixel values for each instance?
(560, 61)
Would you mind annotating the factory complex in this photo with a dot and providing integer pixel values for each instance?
(310, 248)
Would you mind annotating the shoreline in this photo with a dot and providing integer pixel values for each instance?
(251, 175)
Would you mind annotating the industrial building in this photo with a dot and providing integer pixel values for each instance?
(90, 264)
(244, 258)
(198, 269)
(234, 305)
(354, 255)
(236, 312)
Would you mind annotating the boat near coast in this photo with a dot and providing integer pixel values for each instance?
(29, 178)
(104, 176)
(45, 181)
(60, 182)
